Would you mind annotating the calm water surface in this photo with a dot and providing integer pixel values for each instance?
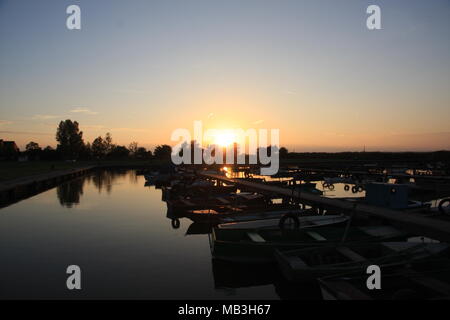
(116, 230)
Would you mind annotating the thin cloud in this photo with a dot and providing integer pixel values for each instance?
(5, 122)
(27, 132)
(130, 129)
(132, 91)
(83, 110)
(258, 122)
(45, 116)
(94, 127)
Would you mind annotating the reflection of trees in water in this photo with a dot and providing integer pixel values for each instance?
(134, 179)
(104, 180)
(69, 193)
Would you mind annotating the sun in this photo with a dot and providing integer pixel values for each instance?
(224, 138)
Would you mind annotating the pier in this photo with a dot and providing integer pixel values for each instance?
(14, 190)
(408, 221)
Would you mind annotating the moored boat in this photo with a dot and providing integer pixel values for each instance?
(258, 245)
(428, 281)
(229, 214)
(308, 264)
(303, 222)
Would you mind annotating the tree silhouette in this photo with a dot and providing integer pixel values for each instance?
(163, 152)
(32, 146)
(119, 152)
(133, 147)
(108, 143)
(99, 147)
(70, 139)
(283, 152)
(33, 150)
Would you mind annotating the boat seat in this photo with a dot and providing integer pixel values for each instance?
(352, 255)
(255, 237)
(315, 236)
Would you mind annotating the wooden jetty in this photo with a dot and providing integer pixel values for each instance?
(14, 190)
(411, 222)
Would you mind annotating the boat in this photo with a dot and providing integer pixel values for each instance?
(180, 205)
(219, 202)
(303, 222)
(228, 215)
(424, 281)
(196, 189)
(308, 264)
(258, 245)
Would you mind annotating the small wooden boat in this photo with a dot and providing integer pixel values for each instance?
(427, 281)
(190, 204)
(304, 222)
(215, 216)
(219, 202)
(308, 264)
(258, 245)
(197, 190)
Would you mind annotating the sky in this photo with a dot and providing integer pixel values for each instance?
(140, 69)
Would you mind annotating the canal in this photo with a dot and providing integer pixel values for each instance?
(116, 230)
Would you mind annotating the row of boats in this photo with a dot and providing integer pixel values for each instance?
(309, 246)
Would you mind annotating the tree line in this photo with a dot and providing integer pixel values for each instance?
(71, 146)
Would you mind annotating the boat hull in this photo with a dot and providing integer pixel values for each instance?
(231, 245)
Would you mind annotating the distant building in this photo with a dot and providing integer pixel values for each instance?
(8, 150)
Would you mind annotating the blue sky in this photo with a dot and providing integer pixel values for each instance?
(140, 69)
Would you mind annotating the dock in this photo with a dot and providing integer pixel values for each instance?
(412, 222)
(14, 190)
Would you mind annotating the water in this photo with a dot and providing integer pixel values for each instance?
(117, 231)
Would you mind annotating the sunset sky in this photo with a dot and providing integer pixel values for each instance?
(142, 68)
